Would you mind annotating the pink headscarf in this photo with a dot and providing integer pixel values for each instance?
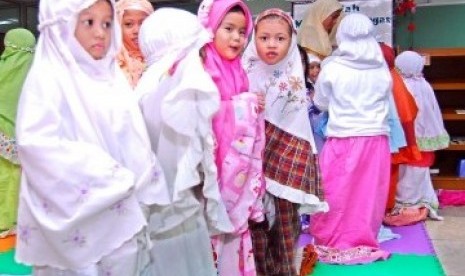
(229, 76)
(130, 58)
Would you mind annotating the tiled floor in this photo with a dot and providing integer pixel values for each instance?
(448, 238)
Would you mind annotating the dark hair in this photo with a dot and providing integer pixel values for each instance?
(304, 57)
(237, 8)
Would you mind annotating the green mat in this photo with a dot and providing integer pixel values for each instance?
(396, 265)
(9, 267)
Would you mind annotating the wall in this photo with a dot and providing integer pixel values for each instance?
(436, 27)
(257, 6)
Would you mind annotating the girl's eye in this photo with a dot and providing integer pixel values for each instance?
(88, 22)
(128, 24)
(242, 32)
(228, 28)
(107, 25)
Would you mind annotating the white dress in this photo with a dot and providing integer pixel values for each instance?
(89, 174)
(178, 116)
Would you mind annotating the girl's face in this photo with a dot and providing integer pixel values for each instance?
(272, 39)
(132, 20)
(331, 20)
(314, 71)
(93, 28)
(230, 37)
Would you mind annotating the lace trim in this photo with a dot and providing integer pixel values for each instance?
(355, 255)
(433, 143)
(8, 149)
(24, 49)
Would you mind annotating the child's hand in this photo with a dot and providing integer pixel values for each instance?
(261, 101)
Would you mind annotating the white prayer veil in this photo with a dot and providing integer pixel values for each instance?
(313, 58)
(178, 99)
(285, 103)
(283, 78)
(357, 46)
(87, 165)
(429, 126)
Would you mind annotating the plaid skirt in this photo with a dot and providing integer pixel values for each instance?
(289, 161)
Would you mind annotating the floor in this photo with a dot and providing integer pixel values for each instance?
(448, 238)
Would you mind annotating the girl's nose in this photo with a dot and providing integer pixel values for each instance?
(99, 31)
(136, 29)
(271, 43)
(236, 35)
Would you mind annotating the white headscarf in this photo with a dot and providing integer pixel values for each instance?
(358, 47)
(313, 58)
(178, 99)
(429, 126)
(283, 84)
(87, 164)
(312, 35)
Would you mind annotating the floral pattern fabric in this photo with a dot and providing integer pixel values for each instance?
(8, 149)
(242, 167)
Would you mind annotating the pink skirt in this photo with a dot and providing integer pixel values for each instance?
(355, 174)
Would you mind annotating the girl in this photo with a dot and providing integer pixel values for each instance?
(274, 66)
(131, 14)
(15, 62)
(238, 132)
(318, 119)
(407, 110)
(179, 99)
(316, 33)
(314, 68)
(89, 175)
(354, 86)
(415, 196)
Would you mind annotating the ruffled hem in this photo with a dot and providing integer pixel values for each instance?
(433, 143)
(29, 260)
(309, 203)
(351, 256)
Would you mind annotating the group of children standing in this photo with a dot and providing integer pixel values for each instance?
(201, 157)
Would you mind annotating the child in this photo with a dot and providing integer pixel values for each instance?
(311, 64)
(314, 68)
(415, 193)
(131, 14)
(354, 86)
(89, 175)
(15, 62)
(318, 119)
(179, 99)
(238, 131)
(316, 33)
(274, 67)
(407, 111)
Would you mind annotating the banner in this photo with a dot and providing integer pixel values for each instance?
(379, 11)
